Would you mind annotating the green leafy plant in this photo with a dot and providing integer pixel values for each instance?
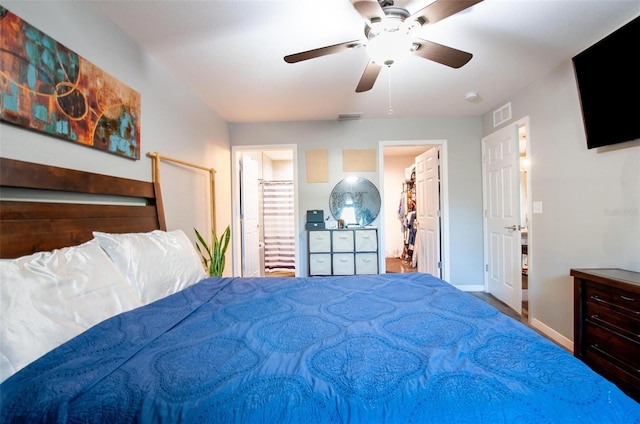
(213, 255)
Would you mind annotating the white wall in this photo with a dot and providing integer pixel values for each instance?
(463, 135)
(590, 198)
(174, 121)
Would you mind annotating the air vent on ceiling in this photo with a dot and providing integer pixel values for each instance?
(349, 116)
(502, 115)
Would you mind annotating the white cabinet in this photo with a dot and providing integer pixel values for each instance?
(343, 252)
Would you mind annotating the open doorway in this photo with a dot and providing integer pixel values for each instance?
(413, 179)
(265, 210)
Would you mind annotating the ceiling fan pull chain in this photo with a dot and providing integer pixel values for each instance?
(390, 112)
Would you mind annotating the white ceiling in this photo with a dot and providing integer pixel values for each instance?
(230, 53)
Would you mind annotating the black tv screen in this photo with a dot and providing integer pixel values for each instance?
(608, 77)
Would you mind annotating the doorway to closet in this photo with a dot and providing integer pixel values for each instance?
(415, 208)
(265, 211)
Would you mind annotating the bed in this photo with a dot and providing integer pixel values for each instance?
(114, 323)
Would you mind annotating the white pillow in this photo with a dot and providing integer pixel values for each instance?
(50, 297)
(156, 264)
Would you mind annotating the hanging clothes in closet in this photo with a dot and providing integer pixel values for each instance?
(407, 215)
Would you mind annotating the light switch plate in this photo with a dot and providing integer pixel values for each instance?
(537, 207)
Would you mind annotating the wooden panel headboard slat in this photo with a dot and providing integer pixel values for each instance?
(30, 226)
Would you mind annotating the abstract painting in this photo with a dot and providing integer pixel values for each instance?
(46, 87)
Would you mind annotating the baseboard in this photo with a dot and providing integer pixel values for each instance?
(476, 288)
(552, 334)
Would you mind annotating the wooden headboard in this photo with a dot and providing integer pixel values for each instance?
(28, 226)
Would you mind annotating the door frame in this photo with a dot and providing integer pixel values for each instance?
(444, 198)
(517, 124)
(236, 232)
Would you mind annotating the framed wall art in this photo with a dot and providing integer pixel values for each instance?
(46, 87)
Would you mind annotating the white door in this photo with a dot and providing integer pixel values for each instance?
(428, 212)
(501, 186)
(249, 215)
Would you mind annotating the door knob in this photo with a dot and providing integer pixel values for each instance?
(512, 228)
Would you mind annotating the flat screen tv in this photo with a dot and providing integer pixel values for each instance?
(608, 77)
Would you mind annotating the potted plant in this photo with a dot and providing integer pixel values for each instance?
(213, 257)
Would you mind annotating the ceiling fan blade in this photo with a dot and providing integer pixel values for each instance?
(440, 9)
(370, 10)
(369, 77)
(322, 51)
(442, 54)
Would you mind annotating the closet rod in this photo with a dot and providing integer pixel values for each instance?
(155, 173)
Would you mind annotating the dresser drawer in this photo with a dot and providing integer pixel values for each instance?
(366, 240)
(319, 241)
(343, 241)
(626, 303)
(320, 264)
(343, 264)
(366, 263)
(619, 350)
(624, 379)
(601, 314)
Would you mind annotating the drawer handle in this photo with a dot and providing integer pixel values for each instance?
(627, 298)
(596, 347)
(596, 298)
(597, 320)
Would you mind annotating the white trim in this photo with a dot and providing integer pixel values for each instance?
(552, 334)
(444, 157)
(471, 288)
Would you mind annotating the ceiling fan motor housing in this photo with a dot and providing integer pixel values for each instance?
(390, 39)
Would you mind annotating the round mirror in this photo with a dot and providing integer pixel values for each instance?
(355, 200)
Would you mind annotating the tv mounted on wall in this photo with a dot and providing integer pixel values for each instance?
(608, 77)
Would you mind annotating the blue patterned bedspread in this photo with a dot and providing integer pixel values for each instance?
(394, 348)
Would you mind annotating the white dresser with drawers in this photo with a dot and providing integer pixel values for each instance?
(343, 252)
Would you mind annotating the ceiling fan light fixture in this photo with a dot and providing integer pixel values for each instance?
(389, 41)
(388, 47)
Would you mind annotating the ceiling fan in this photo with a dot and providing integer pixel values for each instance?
(389, 32)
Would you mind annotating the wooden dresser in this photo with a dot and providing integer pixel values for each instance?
(607, 324)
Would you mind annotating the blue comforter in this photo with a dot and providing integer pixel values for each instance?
(394, 348)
